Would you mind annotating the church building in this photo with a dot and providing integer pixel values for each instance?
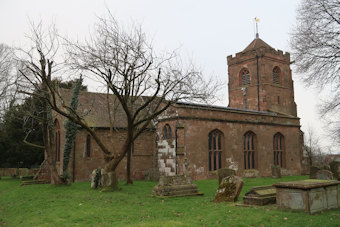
(259, 128)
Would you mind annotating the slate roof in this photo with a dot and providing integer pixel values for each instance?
(256, 44)
(93, 106)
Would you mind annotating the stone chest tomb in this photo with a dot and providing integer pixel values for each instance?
(260, 196)
(174, 186)
(310, 195)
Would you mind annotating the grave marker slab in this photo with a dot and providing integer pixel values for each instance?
(229, 189)
(175, 186)
(260, 196)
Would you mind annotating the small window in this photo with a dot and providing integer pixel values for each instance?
(249, 150)
(276, 75)
(278, 99)
(215, 150)
(167, 132)
(88, 146)
(244, 77)
(278, 147)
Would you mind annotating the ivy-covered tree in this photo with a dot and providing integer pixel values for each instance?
(71, 129)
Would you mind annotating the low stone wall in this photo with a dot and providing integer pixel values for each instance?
(14, 172)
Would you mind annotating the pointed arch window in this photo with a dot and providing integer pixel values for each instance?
(88, 146)
(244, 77)
(215, 150)
(276, 75)
(167, 132)
(279, 147)
(57, 140)
(249, 150)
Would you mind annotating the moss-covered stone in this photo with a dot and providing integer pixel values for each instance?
(229, 189)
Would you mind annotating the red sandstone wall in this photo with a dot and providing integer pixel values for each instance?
(198, 123)
(268, 91)
(142, 157)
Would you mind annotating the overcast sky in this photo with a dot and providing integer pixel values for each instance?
(205, 31)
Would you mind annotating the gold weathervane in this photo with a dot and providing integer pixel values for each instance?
(257, 20)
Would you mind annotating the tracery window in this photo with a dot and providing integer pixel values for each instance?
(249, 149)
(276, 75)
(88, 146)
(57, 140)
(167, 132)
(278, 148)
(244, 77)
(215, 150)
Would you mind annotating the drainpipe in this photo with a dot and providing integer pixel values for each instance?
(258, 82)
(176, 161)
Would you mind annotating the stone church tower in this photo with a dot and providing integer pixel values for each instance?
(260, 79)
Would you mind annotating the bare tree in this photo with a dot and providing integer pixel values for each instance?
(36, 68)
(7, 77)
(137, 81)
(316, 47)
(144, 84)
(312, 148)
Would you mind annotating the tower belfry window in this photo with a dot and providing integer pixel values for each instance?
(276, 75)
(244, 77)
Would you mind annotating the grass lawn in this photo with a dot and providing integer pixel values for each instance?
(78, 205)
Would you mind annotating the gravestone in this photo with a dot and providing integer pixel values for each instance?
(105, 180)
(324, 175)
(251, 173)
(335, 168)
(312, 172)
(276, 172)
(224, 172)
(260, 196)
(96, 178)
(229, 189)
(175, 186)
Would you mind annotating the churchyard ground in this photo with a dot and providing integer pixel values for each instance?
(78, 205)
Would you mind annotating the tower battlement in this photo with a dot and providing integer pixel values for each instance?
(260, 79)
(260, 52)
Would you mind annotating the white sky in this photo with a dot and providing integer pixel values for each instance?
(206, 31)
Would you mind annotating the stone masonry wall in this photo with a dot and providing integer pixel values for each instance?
(142, 159)
(197, 123)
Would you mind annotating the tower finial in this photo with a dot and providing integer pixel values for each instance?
(257, 29)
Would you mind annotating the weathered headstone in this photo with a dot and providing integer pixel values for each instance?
(224, 172)
(109, 179)
(102, 179)
(312, 172)
(96, 178)
(173, 186)
(276, 172)
(251, 173)
(229, 189)
(260, 196)
(335, 168)
(324, 175)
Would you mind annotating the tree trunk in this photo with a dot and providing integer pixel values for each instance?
(50, 157)
(128, 168)
(112, 163)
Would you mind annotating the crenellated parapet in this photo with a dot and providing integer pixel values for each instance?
(260, 52)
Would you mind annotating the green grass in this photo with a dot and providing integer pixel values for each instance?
(78, 205)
